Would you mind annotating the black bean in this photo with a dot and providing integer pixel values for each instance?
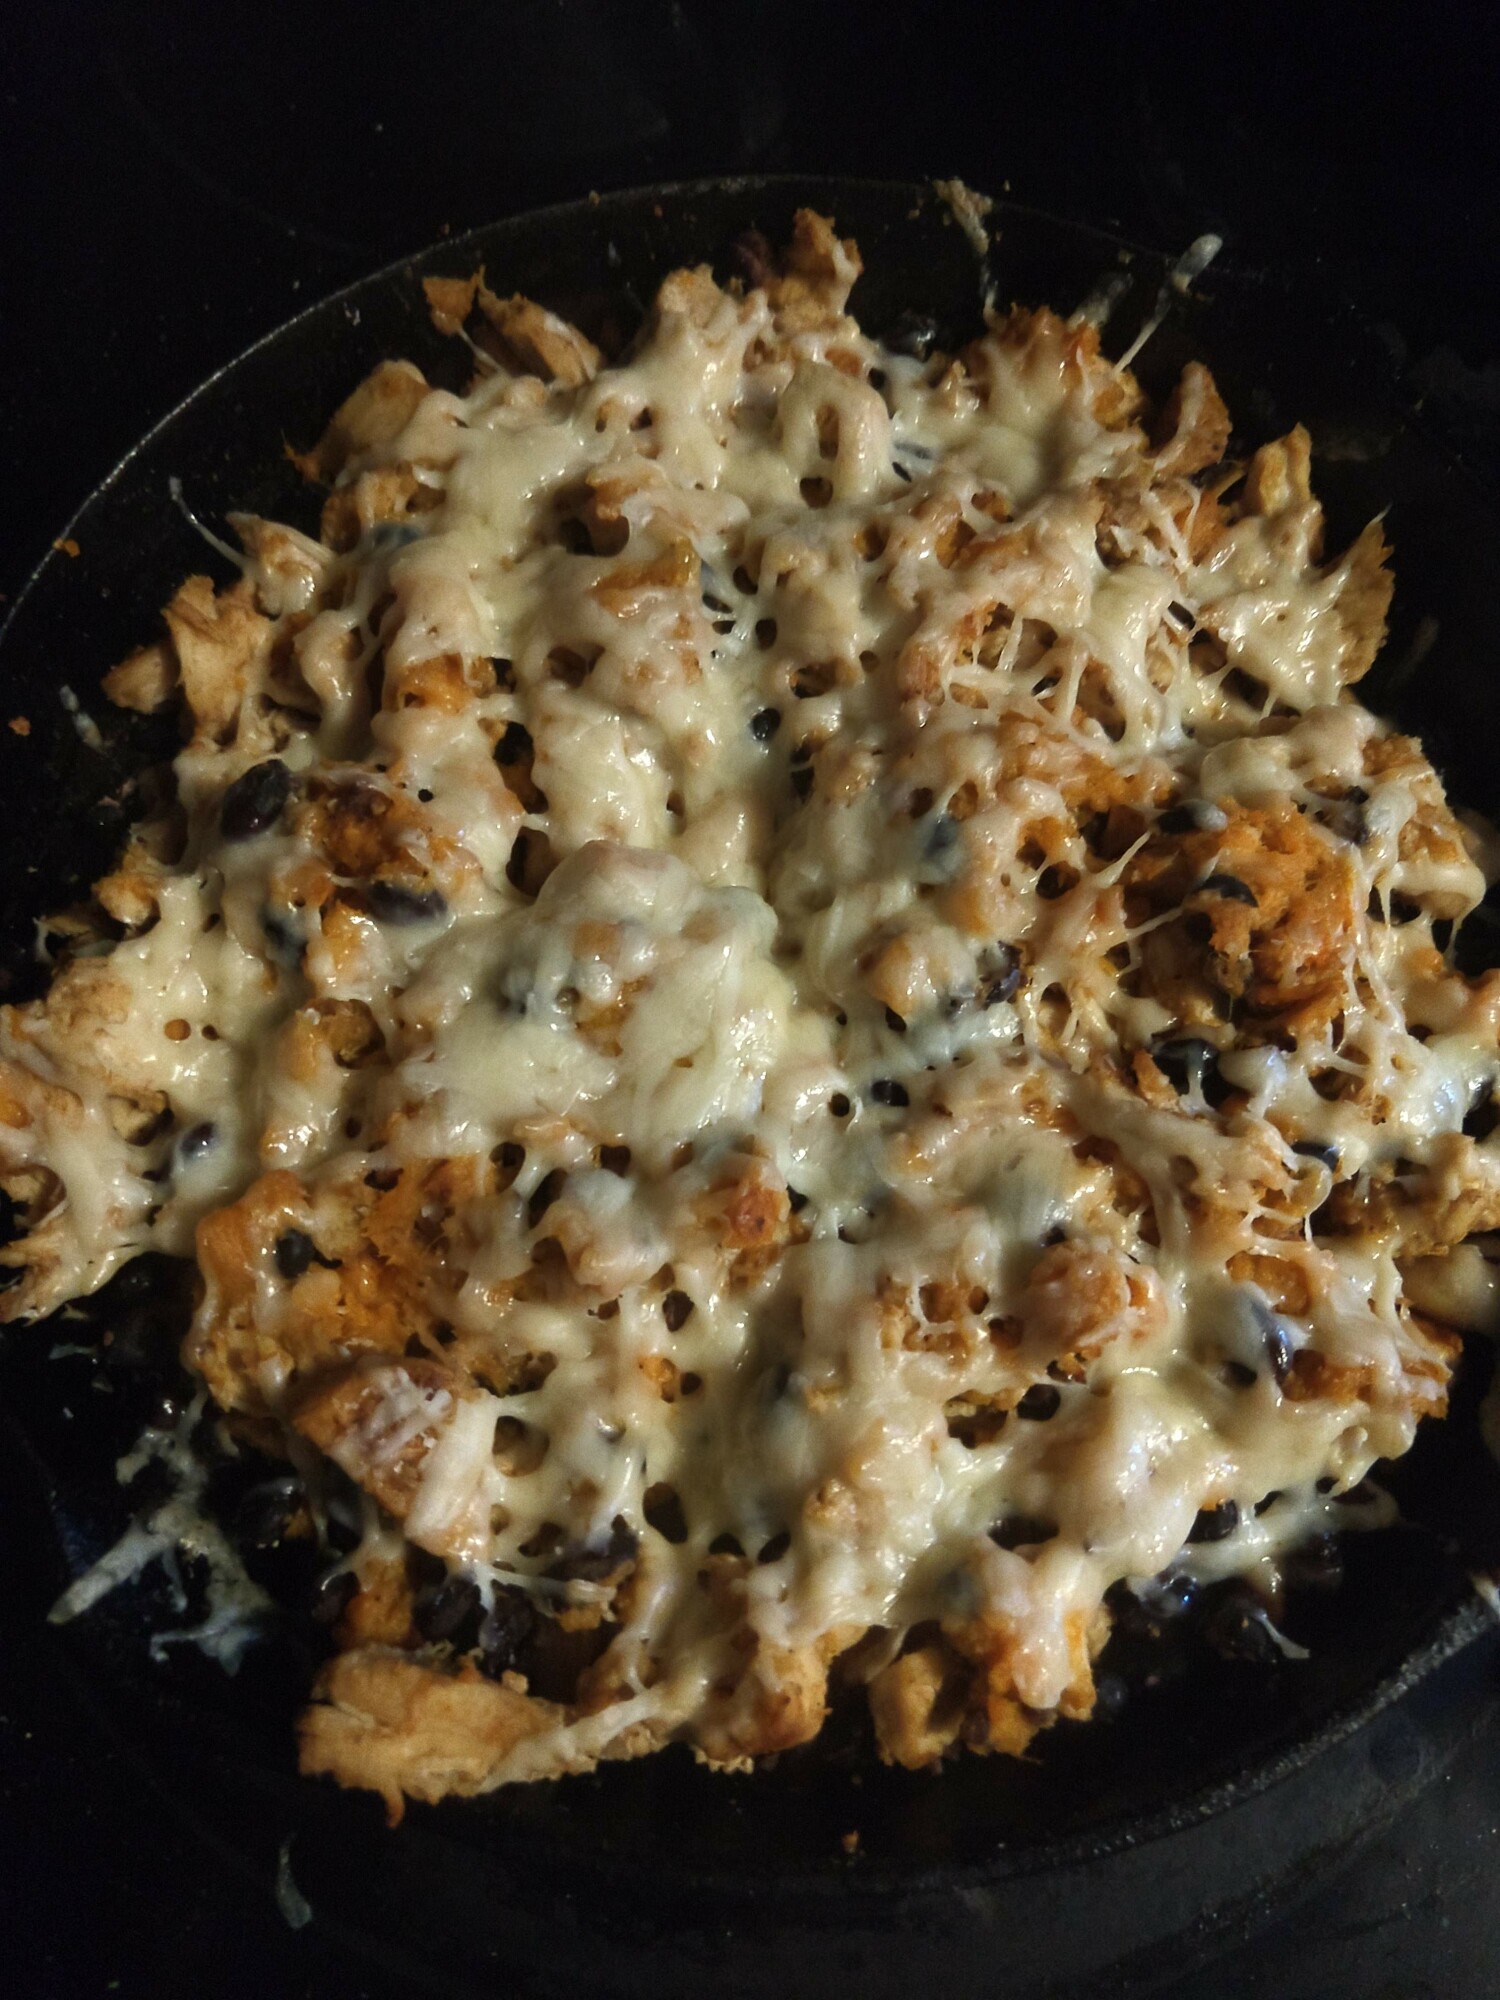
(505, 1628)
(1317, 1564)
(1321, 1150)
(285, 942)
(1094, 830)
(1188, 1064)
(441, 1612)
(885, 1090)
(592, 1562)
(332, 1595)
(676, 1309)
(147, 1129)
(1215, 1524)
(664, 1511)
(543, 1195)
(1143, 1611)
(256, 800)
(195, 1142)
(295, 1252)
(343, 1526)
(1169, 1595)
(1231, 888)
(515, 745)
(163, 1410)
(394, 903)
(1021, 1531)
(1003, 981)
(1483, 1114)
(941, 838)
(1181, 818)
(531, 862)
(266, 1512)
(1128, 1615)
(424, 1570)
(1235, 1625)
(839, 1105)
(1347, 821)
(1041, 1401)
(912, 334)
(574, 536)
(1279, 1351)
(764, 724)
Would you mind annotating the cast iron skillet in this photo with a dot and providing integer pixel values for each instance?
(1121, 1849)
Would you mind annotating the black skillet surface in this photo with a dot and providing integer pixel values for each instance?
(1208, 1792)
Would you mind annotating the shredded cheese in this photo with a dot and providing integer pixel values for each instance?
(796, 1017)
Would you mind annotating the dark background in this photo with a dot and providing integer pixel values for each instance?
(181, 177)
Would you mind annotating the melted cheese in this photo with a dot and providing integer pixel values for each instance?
(846, 1200)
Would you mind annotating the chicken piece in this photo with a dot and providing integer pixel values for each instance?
(917, 1704)
(223, 645)
(1194, 429)
(370, 417)
(378, 1420)
(145, 681)
(381, 1721)
(362, 1269)
(1269, 917)
(811, 286)
(540, 342)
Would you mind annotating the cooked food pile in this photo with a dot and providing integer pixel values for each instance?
(791, 1013)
